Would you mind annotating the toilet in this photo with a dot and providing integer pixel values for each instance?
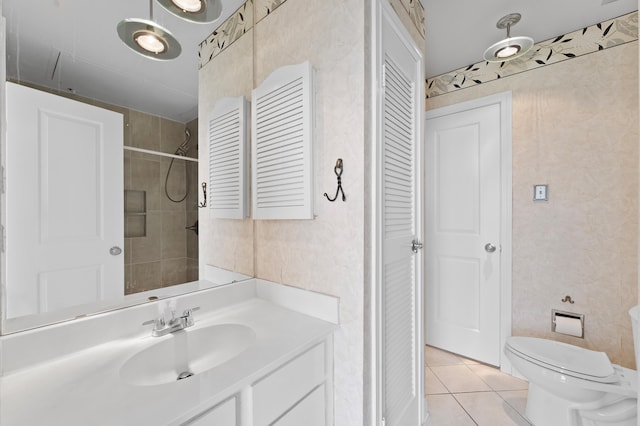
(573, 386)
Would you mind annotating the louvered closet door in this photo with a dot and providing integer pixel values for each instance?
(401, 396)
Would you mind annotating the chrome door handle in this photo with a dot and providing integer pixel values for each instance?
(115, 250)
(416, 245)
(489, 248)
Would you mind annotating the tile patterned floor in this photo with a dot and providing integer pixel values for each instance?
(463, 392)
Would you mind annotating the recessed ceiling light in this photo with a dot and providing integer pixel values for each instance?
(198, 11)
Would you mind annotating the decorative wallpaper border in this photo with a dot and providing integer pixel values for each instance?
(236, 25)
(243, 19)
(416, 13)
(265, 7)
(231, 30)
(604, 35)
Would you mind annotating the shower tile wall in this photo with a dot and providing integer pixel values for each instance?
(192, 204)
(161, 257)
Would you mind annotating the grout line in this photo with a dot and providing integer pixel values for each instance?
(464, 409)
(491, 390)
(514, 408)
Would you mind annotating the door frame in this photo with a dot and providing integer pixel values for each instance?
(373, 220)
(504, 101)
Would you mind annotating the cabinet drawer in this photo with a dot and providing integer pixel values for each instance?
(223, 414)
(310, 411)
(279, 391)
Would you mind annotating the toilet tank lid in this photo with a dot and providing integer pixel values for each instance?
(565, 357)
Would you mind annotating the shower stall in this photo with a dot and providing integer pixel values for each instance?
(160, 190)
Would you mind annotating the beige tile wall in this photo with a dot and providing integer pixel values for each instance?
(161, 257)
(575, 127)
(192, 205)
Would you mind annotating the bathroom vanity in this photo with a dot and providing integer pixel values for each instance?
(250, 358)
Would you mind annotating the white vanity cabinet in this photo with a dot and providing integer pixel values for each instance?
(278, 394)
(283, 376)
(221, 414)
(297, 392)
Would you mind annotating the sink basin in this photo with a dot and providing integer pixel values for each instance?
(186, 353)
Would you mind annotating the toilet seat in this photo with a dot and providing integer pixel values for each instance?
(565, 359)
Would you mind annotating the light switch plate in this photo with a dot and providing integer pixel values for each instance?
(540, 193)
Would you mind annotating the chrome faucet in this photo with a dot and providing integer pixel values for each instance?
(162, 327)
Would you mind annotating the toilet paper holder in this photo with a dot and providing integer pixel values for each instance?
(564, 315)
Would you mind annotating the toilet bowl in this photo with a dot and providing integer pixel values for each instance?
(573, 386)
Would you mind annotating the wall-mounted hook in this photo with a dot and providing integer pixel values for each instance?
(338, 171)
(567, 299)
(204, 194)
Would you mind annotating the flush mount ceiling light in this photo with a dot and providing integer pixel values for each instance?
(148, 38)
(511, 47)
(199, 11)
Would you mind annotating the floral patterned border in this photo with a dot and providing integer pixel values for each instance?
(416, 13)
(231, 30)
(265, 7)
(241, 21)
(591, 39)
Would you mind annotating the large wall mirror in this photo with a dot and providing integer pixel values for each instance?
(69, 51)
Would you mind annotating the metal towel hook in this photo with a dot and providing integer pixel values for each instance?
(204, 194)
(338, 171)
(567, 298)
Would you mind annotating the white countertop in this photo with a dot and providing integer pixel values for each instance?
(85, 388)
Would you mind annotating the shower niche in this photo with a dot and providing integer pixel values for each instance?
(135, 213)
(161, 196)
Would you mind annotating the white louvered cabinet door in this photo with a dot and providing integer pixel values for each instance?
(227, 139)
(282, 137)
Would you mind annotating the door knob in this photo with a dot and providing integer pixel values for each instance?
(489, 248)
(115, 250)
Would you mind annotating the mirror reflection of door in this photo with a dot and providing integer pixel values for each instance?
(64, 204)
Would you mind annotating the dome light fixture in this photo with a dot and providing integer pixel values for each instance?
(198, 11)
(511, 47)
(148, 38)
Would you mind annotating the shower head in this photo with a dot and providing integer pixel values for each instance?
(183, 148)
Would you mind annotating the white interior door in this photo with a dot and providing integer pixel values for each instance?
(463, 148)
(64, 170)
(401, 349)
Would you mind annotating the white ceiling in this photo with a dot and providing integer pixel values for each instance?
(94, 62)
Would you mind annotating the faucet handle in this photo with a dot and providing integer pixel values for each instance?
(189, 311)
(188, 315)
(158, 323)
